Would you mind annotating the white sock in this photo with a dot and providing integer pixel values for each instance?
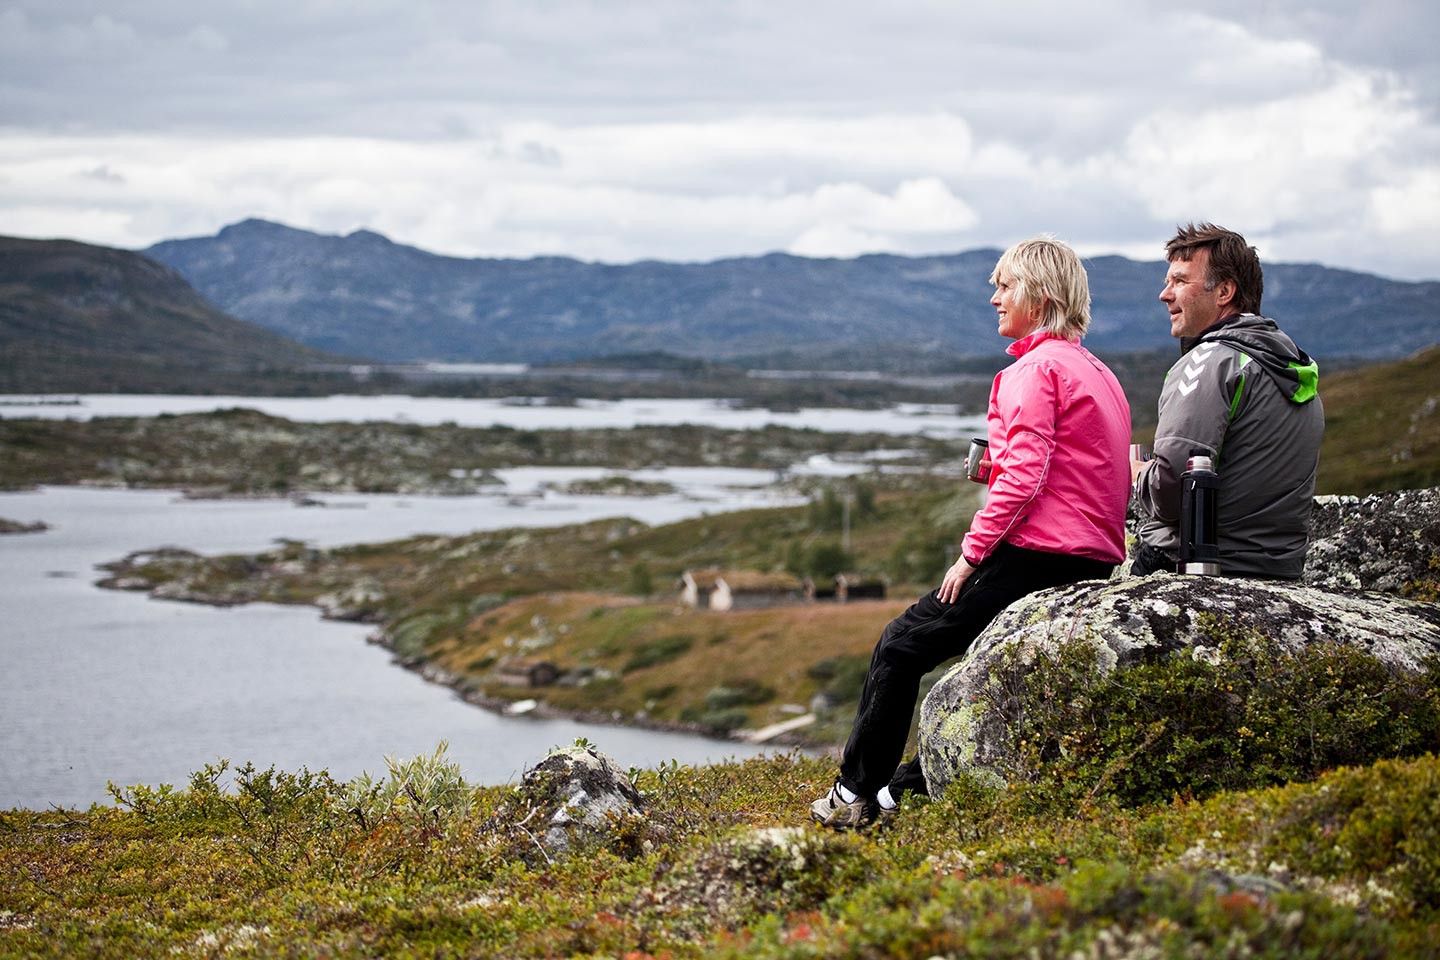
(845, 793)
(886, 800)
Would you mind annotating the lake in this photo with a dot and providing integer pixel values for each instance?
(101, 685)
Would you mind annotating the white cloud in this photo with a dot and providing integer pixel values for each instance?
(478, 197)
(632, 129)
(1316, 174)
(1410, 209)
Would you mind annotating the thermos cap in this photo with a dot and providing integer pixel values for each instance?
(1199, 462)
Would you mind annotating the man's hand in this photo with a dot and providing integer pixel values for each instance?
(1137, 467)
(955, 578)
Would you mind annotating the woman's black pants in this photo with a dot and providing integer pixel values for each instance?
(925, 636)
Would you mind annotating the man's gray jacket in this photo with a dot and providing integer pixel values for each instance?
(1246, 395)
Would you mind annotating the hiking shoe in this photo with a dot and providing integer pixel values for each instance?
(832, 811)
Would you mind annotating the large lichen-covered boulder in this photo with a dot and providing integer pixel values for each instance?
(1143, 619)
(1384, 541)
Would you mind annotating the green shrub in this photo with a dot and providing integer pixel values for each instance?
(820, 560)
(1257, 716)
(277, 821)
(659, 650)
(738, 693)
(1426, 587)
(410, 636)
(642, 583)
(420, 792)
(716, 721)
(843, 677)
(1381, 821)
(919, 555)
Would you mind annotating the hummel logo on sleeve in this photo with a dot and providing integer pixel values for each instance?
(1194, 367)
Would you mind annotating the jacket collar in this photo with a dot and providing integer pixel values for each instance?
(1188, 343)
(1029, 342)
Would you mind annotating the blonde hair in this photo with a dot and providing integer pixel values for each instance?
(1045, 272)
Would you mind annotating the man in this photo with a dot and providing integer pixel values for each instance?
(1245, 395)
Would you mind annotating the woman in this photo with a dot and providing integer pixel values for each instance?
(1059, 432)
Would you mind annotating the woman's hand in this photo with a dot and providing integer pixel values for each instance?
(955, 578)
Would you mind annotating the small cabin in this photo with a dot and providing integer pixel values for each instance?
(859, 586)
(822, 591)
(846, 586)
(739, 589)
(517, 672)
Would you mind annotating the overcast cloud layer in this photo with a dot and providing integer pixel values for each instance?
(617, 131)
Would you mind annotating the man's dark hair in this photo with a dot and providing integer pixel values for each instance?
(1231, 258)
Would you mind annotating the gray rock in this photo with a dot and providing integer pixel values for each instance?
(1379, 542)
(573, 796)
(1142, 619)
(360, 602)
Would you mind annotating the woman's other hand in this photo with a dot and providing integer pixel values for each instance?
(955, 578)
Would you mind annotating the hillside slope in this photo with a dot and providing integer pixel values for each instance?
(79, 317)
(1382, 426)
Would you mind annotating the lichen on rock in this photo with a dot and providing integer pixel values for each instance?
(1383, 541)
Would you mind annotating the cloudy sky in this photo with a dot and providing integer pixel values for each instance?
(614, 130)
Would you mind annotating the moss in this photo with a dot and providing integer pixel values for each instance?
(1425, 588)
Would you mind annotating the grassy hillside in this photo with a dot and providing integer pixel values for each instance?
(1382, 426)
(77, 317)
(668, 664)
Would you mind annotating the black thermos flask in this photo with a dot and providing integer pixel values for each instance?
(1199, 490)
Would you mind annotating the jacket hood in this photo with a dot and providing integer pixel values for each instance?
(1261, 342)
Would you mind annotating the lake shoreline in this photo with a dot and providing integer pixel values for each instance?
(438, 675)
(463, 688)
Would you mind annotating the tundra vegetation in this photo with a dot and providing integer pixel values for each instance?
(1261, 803)
(718, 863)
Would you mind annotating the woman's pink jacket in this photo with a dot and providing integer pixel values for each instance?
(1059, 432)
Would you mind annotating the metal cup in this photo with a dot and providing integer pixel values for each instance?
(974, 469)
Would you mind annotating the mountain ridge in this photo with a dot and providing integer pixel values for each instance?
(363, 293)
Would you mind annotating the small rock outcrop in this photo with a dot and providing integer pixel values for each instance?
(1142, 619)
(359, 602)
(755, 868)
(574, 796)
(1383, 541)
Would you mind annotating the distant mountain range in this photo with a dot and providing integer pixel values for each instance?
(363, 295)
(79, 317)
